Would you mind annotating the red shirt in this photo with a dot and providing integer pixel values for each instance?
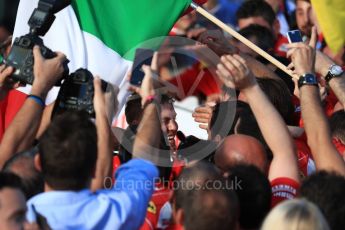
(174, 227)
(330, 101)
(159, 198)
(329, 104)
(280, 46)
(283, 188)
(9, 107)
(304, 157)
(339, 146)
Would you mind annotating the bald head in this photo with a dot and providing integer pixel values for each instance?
(241, 149)
(22, 164)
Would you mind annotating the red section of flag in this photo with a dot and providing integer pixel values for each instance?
(199, 2)
(9, 107)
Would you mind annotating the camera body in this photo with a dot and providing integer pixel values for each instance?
(21, 55)
(22, 59)
(76, 93)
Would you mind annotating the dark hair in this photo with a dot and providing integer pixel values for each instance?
(165, 99)
(68, 151)
(127, 142)
(254, 194)
(10, 180)
(211, 209)
(133, 109)
(8, 18)
(245, 123)
(199, 173)
(22, 164)
(263, 36)
(326, 190)
(126, 149)
(205, 207)
(279, 95)
(256, 8)
(337, 123)
(223, 118)
(192, 148)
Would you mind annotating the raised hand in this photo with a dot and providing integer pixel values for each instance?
(234, 72)
(203, 115)
(5, 82)
(216, 41)
(46, 71)
(303, 55)
(99, 98)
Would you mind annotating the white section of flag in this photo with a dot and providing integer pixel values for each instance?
(82, 49)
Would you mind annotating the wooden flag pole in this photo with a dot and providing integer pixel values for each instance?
(239, 37)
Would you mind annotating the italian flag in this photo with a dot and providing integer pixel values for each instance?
(99, 35)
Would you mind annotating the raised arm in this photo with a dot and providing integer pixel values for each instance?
(316, 125)
(149, 131)
(21, 133)
(234, 71)
(216, 41)
(104, 143)
(140, 172)
(322, 66)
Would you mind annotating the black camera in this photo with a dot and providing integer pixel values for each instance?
(21, 55)
(76, 93)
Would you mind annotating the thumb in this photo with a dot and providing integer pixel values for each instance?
(313, 39)
(147, 70)
(97, 85)
(37, 54)
(8, 71)
(154, 63)
(5, 73)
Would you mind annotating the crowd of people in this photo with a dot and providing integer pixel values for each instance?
(274, 158)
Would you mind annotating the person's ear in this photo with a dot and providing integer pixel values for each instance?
(276, 27)
(37, 162)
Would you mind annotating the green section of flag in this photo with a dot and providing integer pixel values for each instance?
(123, 24)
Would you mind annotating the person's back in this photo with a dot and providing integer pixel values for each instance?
(67, 159)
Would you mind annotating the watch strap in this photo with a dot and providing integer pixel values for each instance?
(307, 79)
(330, 76)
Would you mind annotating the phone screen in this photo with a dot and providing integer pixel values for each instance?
(142, 57)
(294, 36)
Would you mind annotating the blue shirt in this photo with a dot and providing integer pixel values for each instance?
(121, 207)
(224, 11)
(227, 12)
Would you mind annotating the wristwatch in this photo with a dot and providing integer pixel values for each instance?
(334, 71)
(307, 79)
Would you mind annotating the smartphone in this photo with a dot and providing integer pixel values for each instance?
(142, 57)
(294, 36)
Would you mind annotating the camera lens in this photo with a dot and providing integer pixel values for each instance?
(77, 77)
(25, 42)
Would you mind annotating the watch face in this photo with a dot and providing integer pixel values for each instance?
(310, 79)
(336, 70)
